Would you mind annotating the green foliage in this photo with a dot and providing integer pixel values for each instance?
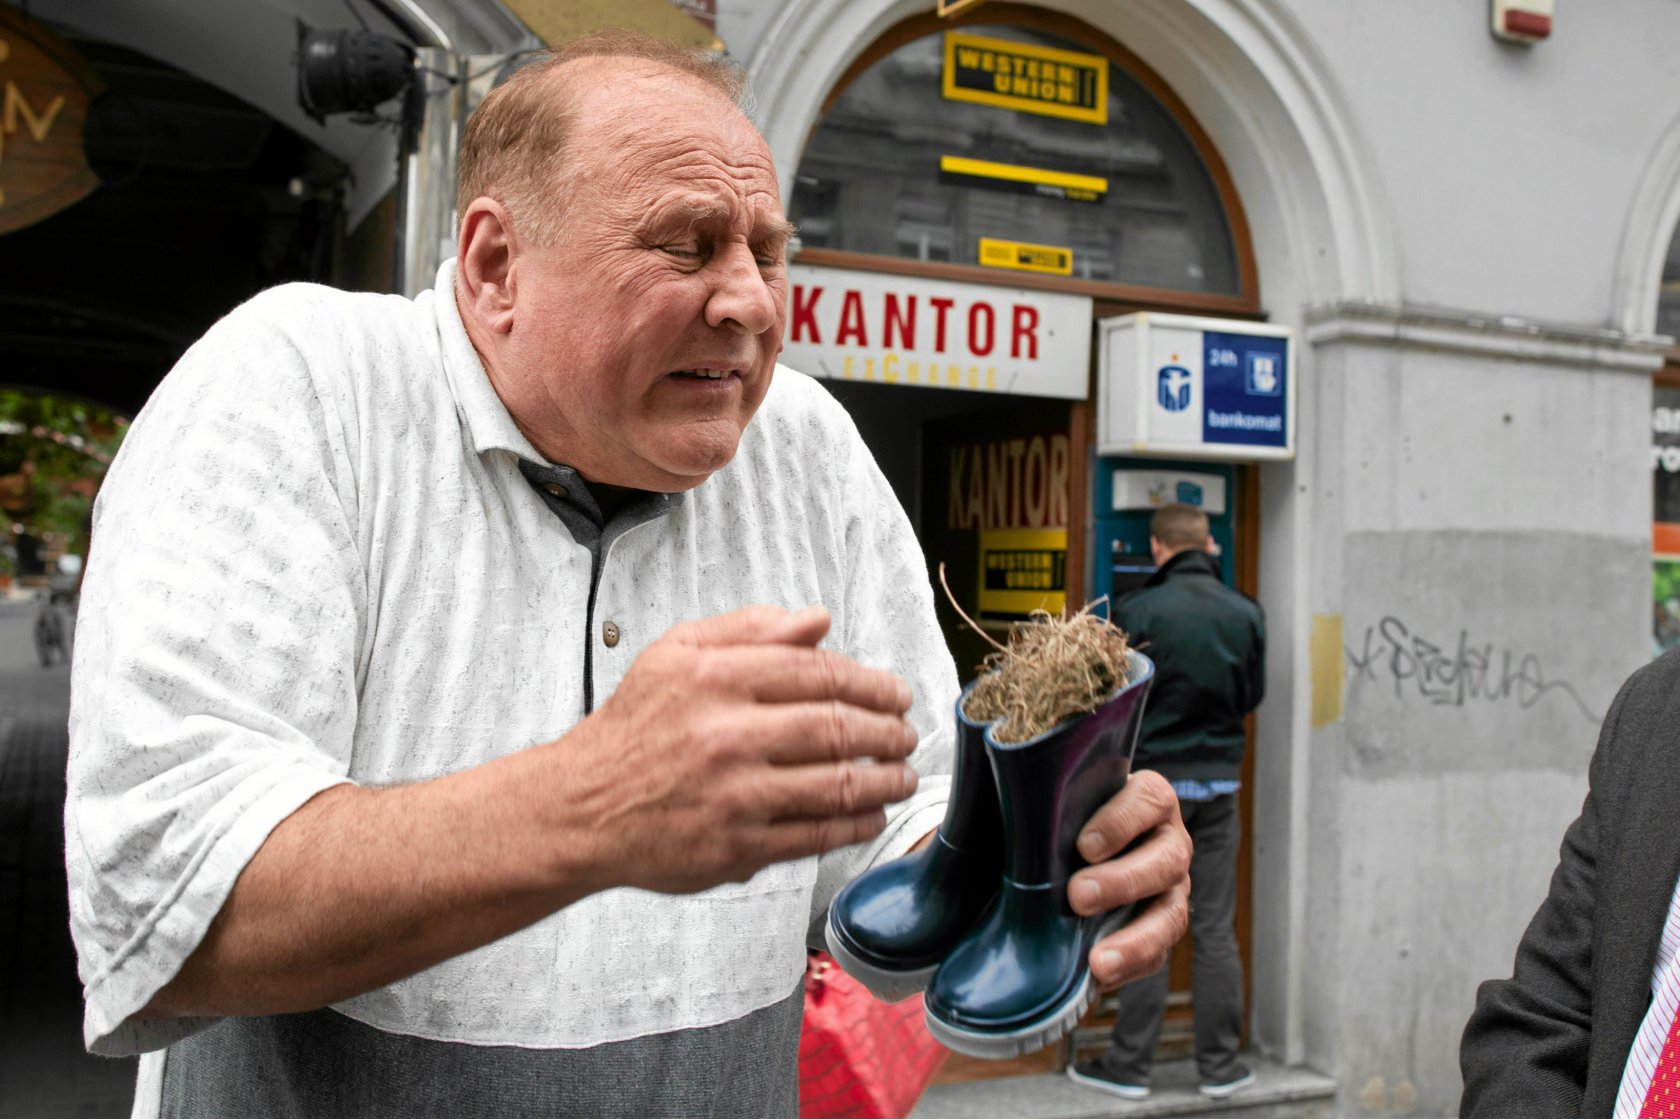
(60, 446)
(1665, 581)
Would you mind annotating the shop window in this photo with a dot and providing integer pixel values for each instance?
(1665, 467)
(907, 163)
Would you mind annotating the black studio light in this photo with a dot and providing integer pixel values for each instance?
(349, 71)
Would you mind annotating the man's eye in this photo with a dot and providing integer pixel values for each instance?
(684, 251)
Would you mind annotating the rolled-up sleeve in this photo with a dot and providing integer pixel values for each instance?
(214, 684)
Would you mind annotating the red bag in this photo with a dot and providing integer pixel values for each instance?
(857, 1055)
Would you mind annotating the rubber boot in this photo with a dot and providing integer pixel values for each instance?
(892, 926)
(1021, 979)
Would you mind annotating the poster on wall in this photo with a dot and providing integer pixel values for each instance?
(1010, 495)
(1665, 517)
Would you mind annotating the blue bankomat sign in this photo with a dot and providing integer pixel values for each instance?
(1194, 386)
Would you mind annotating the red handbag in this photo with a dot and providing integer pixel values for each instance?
(857, 1055)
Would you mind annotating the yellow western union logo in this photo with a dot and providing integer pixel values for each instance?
(1026, 257)
(1026, 77)
(1025, 180)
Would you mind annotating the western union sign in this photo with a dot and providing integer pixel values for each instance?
(1013, 177)
(1026, 77)
(1026, 257)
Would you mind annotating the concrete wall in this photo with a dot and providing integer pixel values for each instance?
(1455, 567)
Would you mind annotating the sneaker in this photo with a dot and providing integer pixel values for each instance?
(1225, 1088)
(1092, 1075)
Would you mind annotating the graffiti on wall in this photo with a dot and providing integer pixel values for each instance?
(1456, 672)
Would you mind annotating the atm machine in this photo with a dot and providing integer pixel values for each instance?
(1181, 400)
(1128, 491)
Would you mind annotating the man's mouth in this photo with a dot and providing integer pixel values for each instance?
(704, 374)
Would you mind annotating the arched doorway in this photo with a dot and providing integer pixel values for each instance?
(1255, 79)
(975, 194)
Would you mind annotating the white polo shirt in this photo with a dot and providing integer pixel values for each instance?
(316, 561)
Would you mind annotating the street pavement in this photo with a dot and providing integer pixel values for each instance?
(44, 1070)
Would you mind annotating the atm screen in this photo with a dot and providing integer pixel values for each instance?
(1129, 574)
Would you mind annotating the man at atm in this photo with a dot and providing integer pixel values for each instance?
(1208, 642)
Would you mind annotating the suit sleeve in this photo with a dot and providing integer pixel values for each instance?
(1525, 1048)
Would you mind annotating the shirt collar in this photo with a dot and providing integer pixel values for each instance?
(487, 420)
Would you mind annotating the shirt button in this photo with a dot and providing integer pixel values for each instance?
(609, 634)
(556, 489)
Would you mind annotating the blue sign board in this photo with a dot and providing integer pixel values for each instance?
(1194, 386)
(1243, 378)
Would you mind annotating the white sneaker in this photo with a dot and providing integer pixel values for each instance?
(1226, 1088)
(1093, 1079)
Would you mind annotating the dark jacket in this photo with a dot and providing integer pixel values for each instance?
(1208, 643)
(1552, 1040)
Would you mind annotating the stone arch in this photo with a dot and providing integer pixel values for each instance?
(1247, 70)
(1653, 218)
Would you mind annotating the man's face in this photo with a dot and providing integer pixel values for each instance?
(644, 339)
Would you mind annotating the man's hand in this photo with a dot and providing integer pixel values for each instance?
(1156, 869)
(733, 743)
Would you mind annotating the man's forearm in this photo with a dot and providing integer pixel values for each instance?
(731, 744)
(362, 887)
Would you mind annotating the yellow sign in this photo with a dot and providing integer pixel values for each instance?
(1026, 77)
(1013, 177)
(1026, 257)
(1021, 571)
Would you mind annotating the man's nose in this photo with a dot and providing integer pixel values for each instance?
(741, 296)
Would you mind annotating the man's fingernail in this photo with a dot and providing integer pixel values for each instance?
(904, 696)
(1087, 893)
(1108, 963)
(1091, 844)
(910, 737)
(911, 781)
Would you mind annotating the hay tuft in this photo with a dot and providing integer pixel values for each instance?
(1053, 668)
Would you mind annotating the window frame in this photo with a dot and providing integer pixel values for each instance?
(1109, 298)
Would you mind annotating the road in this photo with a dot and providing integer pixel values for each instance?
(44, 1071)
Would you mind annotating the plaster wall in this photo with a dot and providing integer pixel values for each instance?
(1510, 170)
(1481, 548)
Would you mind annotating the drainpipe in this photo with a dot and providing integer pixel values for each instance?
(434, 111)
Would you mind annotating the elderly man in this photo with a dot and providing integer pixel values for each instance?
(481, 696)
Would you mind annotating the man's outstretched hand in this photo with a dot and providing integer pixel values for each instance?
(734, 742)
(1156, 869)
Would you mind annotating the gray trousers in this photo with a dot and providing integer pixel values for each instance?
(1216, 980)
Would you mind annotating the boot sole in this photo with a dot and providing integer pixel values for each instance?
(886, 986)
(1001, 1045)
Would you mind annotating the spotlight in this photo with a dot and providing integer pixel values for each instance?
(349, 71)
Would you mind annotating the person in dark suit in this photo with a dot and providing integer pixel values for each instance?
(1208, 642)
(1578, 1027)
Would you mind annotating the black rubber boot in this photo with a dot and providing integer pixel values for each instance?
(890, 927)
(1021, 979)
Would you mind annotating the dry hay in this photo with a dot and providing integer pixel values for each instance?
(1054, 668)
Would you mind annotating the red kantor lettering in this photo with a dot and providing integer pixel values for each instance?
(851, 320)
(1024, 328)
(982, 329)
(940, 306)
(805, 314)
(905, 321)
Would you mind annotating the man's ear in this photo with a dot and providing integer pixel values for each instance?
(484, 264)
